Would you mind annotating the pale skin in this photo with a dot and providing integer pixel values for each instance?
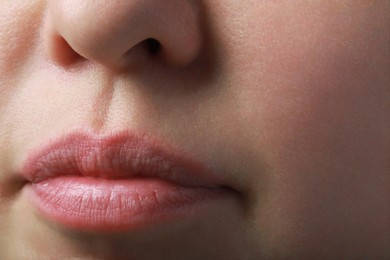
(287, 100)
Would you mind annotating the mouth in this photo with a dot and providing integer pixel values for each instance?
(117, 182)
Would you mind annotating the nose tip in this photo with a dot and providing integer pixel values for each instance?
(114, 33)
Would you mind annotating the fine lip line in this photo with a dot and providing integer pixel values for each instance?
(118, 155)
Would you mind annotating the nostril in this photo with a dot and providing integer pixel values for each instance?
(62, 52)
(153, 46)
(147, 49)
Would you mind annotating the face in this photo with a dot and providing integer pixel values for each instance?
(285, 103)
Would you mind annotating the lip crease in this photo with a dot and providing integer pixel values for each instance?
(116, 182)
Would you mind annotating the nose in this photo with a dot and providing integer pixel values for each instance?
(114, 33)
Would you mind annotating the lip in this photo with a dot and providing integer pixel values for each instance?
(117, 182)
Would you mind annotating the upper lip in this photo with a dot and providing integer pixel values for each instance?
(119, 155)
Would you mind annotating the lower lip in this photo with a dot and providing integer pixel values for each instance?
(95, 204)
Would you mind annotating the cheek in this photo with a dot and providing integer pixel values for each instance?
(311, 82)
(314, 92)
(18, 29)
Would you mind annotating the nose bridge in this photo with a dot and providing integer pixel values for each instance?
(108, 31)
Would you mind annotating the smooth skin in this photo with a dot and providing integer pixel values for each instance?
(288, 101)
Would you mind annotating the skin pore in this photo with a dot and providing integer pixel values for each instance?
(287, 101)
